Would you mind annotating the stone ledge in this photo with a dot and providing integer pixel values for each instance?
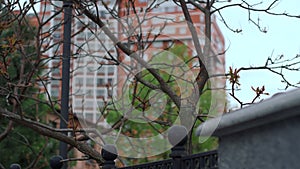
(277, 108)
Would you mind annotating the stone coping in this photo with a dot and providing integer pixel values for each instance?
(278, 107)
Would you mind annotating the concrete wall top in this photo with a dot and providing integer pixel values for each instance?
(278, 107)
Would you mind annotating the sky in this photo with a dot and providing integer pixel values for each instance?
(252, 47)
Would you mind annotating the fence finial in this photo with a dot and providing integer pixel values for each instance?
(109, 154)
(178, 137)
(14, 166)
(55, 162)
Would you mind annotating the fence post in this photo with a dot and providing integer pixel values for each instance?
(109, 154)
(177, 136)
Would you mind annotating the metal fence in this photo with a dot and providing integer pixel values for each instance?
(207, 160)
(179, 160)
(165, 164)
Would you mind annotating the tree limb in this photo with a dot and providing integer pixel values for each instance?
(49, 132)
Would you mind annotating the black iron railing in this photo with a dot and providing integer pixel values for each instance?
(165, 164)
(207, 160)
(179, 159)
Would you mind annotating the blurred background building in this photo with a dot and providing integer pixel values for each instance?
(94, 79)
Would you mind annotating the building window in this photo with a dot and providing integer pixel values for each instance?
(101, 70)
(79, 114)
(102, 14)
(110, 81)
(90, 36)
(170, 9)
(81, 35)
(92, 25)
(169, 30)
(47, 7)
(100, 104)
(107, 2)
(100, 82)
(110, 69)
(90, 69)
(145, 22)
(78, 91)
(55, 71)
(157, 44)
(57, 3)
(55, 92)
(156, 20)
(181, 18)
(56, 24)
(79, 81)
(101, 93)
(46, 28)
(89, 117)
(89, 104)
(56, 47)
(110, 93)
(45, 18)
(157, 9)
(202, 40)
(78, 104)
(182, 30)
(98, 117)
(79, 70)
(202, 19)
(55, 82)
(56, 36)
(89, 93)
(145, 57)
(79, 25)
(89, 81)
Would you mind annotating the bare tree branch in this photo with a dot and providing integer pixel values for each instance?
(49, 132)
